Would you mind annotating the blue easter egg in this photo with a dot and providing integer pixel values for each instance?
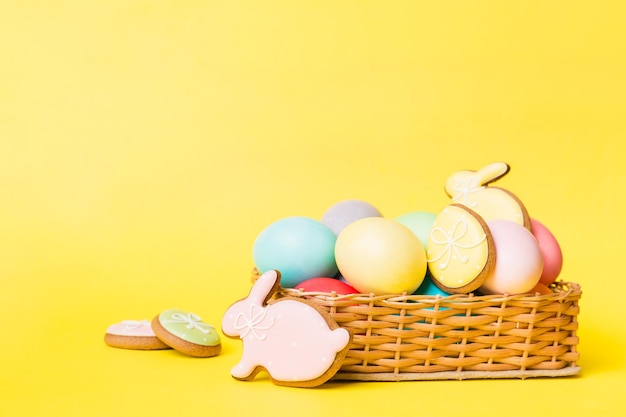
(428, 287)
(299, 247)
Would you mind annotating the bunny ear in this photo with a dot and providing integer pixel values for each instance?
(492, 172)
(265, 286)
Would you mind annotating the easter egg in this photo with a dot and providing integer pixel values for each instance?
(338, 216)
(420, 223)
(518, 263)
(550, 251)
(299, 247)
(324, 284)
(380, 256)
(541, 289)
(428, 287)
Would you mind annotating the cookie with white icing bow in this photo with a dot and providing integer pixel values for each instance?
(187, 333)
(472, 189)
(133, 334)
(460, 250)
(298, 343)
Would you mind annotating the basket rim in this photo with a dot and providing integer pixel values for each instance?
(565, 290)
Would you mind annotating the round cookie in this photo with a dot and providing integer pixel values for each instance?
(133, 334)
(460, 250)
(470, 189)
(187, 333)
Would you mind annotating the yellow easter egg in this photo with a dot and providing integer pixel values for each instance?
(380, 256)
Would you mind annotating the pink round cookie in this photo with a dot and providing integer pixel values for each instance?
(518, 263)
(550, 251)
(133, 334)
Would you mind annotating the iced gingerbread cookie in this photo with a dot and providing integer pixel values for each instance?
(297, 343)
(470, 188)
(460, 250)
(133, 334)
(187, 333)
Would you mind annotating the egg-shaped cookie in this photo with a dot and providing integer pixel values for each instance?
(460, 250)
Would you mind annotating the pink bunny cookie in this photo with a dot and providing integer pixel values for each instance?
(297, 343)
(470, 189)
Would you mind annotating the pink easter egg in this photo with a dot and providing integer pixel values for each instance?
(518, 263)
(550, 251)
(324, 284)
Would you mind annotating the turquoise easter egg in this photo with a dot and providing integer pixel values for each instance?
(420, 223)
(299, 247)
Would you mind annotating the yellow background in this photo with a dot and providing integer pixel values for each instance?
(145, 144)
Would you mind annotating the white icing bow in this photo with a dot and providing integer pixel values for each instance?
(191, 320)
(135, 324)
(464, 189)
(251, 323)
(451, 241)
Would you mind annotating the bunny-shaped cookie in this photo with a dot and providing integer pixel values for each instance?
(297, 343)
(470, 189)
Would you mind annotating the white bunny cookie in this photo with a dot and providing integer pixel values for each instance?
(296, 342)
(470, 189)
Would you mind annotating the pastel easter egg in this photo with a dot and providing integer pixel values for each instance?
(380, 256)
(550, 251)
(428, 287)
(299, 247)
(541, 288)
(420, 223)
(338, 216)
(325, 284)
(518, 263)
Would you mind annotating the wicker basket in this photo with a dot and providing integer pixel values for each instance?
(420, 337)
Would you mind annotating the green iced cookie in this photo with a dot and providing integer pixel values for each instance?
(187, 333)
